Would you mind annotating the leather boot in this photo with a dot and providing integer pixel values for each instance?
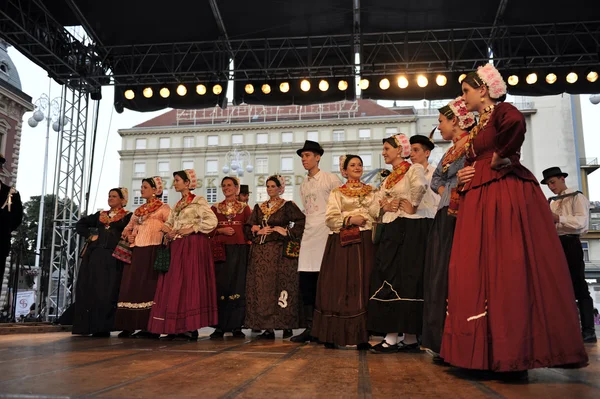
(305, 336)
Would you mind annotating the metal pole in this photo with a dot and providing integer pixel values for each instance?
(40, 230)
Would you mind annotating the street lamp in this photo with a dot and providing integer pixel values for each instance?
(595, 99)
(235, 161)
(49, 110)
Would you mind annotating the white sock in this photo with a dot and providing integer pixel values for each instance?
(391, 338)
(410, 339)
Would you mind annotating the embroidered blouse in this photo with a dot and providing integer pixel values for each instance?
(446, 179)
(233, 217)
(287, 214)
(147, 228)
(412, 187)
(197, 215)
(340, 206)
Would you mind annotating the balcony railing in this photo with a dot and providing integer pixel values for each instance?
(588, 161)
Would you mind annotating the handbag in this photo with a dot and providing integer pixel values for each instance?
(378, 227)
(123, 252)
(163, 258)
(218, 251)
(291, 246)
(350, 235)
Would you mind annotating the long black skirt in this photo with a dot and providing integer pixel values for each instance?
(231, 287)
(396, 294)
(97, 292)
(435, 293)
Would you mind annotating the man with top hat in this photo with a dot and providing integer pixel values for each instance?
(244, 194)
(314, 191)
(571, 212)
(420, 150)
(11, 216)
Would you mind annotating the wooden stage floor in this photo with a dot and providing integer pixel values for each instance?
(58, 365)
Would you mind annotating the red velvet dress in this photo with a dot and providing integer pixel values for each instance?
(511, 306)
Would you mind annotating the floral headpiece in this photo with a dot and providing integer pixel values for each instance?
(281, 181)
(493, 80)
(237, 180)
(191, 175)
(125, 194)
(458, 108)
(342, 161)
(403, 143)
(158, 185)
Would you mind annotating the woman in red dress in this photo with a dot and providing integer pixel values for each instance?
(511, 306)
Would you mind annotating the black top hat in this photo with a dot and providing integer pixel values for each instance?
(423, 140)
(244, 189)
(552, 172)
(312, 146)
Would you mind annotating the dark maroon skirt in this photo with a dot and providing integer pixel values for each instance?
(186, 298)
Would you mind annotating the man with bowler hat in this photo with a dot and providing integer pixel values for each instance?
(244, 194)
(314, 192)
(11, 216)
(571, 212)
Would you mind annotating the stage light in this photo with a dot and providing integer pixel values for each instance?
(441, 80)
(249, 88)
(384, 84)
(531, 78)
(201, 89)
(513, 80)
(164, 92)
(266, 89)
(284, 87)
(217, 89)
(342, 85)
(148, 92)
(462, 77)
(572, 77)
(592, 76)
(363, 84)
(402, 82)
(305, 85)
(129, 94)
(422, 81)
(323, 85)
(551, 78)
(181, 90)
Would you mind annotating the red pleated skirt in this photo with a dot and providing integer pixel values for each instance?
(185, 298)
(511, 304)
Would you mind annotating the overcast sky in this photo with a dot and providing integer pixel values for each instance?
(35, 82)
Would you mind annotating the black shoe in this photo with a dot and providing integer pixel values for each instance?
(438, 360)
(255, 331)
(217, 334)
(238, 334)
(365, 346)
(287, 333)
(590, 338)
(329, 345)
(124, 334)
(101, 335)
(303, 337)
(168, 337)
(192, 335)
(409, 348)
(384, 347)
(144, 334)
(513, 376)
(267, 335)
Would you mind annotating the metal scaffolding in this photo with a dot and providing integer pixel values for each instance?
(69, 192)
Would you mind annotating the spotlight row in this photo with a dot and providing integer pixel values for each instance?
(181, 90)
(403, 82)
(305, 86)
(551, 78)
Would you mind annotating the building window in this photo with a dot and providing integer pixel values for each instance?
(389, 131)
(262, 138)
(140, 144)
(237, 139)
(364, 134)
(212, 167)
(312, 136)
(137, 198)
(165, 195)
(164, 142)
(187, 165)
(367, 160)
(163, 168)
(287, 137)
(139, 169)
(213, 140)
(262, 166)
(287, 164)
(335, 162)
(339, 135)
(211, 195)
(585, 245)
(261, 194)
(188, 142)
(288, 195)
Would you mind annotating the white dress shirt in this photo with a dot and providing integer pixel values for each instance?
(314, 192)
(431, 199)
(574, 213)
